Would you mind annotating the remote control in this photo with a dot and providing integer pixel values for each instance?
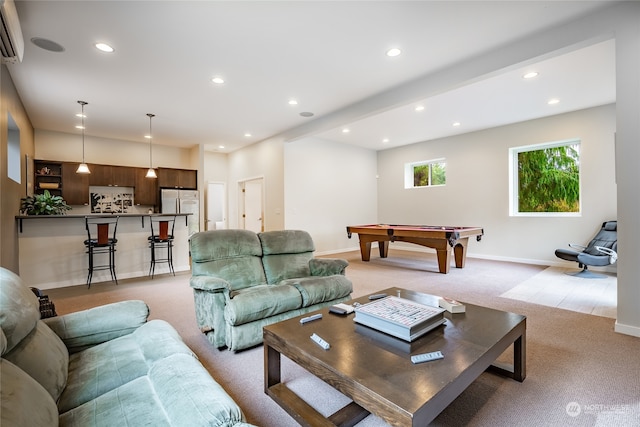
(377, 296)
(311, 318)
(426, 357)
(322, 343)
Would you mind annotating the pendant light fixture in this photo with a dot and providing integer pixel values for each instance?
(82, 167)
(151, 173)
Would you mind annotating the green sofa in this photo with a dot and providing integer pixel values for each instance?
(243, 281)
(105, 366)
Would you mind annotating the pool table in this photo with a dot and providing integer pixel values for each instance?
(440, 238)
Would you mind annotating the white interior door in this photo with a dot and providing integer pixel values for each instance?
(216, 206)
(252, 216)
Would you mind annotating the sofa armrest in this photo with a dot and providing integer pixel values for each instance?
(208, 283)
(93, 326)
(327, 266)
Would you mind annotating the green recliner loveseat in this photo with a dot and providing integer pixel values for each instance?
(243, 281)
(106, 366)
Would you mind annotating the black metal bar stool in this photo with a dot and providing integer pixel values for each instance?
(161, 238)
(101, 239)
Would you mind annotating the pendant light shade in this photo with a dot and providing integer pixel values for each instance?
(82, 167)
(151, 173)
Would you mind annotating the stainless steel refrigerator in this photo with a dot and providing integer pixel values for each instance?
(182, 201)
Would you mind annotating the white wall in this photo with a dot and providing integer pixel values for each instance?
(68, 147)
(261, 160)
(215, 167)
(477, 189)
(628, 158)
(327, 187)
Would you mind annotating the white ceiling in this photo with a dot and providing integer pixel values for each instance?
(327, 55)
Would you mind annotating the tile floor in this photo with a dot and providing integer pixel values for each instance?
(553, 288)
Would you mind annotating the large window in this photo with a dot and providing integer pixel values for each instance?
(425, 174)
(545, 179)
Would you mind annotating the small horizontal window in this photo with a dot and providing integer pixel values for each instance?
(425, 174)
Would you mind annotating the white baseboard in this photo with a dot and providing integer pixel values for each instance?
(634, 331)
(544, 262)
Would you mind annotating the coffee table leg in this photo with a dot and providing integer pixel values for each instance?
(301, 411)
(272, 370)
(520, 358)
(517, 371)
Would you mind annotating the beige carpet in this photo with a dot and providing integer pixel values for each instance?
(579, 371)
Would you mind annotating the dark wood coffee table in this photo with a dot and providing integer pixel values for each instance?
(375, 370)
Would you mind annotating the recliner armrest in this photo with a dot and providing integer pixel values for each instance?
(86, 328)
(613, 255)
(327, 266)
(209, 283)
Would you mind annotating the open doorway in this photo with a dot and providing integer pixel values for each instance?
(216, 206)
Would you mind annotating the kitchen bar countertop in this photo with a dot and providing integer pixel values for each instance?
(20, 218)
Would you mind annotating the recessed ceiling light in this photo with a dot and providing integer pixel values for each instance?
(394, 51)
(148, 136)
(104, 47)
(420, 108)
(456, 124)
(218, 80)
(293, 102)
(79, 127)
(530, 75)
(247, 134)
(553, 101)
(221, 146)
(81, 115)
(384, 141)
(345, 130)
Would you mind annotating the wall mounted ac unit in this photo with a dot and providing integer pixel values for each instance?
(11, 41)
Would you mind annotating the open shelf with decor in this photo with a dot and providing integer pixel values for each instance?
(48, 176)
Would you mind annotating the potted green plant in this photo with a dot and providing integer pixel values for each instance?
(43, 204)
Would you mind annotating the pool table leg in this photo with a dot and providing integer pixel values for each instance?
(460, 252)
(444, 259)
(365, 250)
(383, 247)
(365, 247)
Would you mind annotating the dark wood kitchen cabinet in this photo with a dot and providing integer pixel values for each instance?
(75, 186)
(100, 175)
(146, 189)
(178, 178)
(112, 176)
(123, 176)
